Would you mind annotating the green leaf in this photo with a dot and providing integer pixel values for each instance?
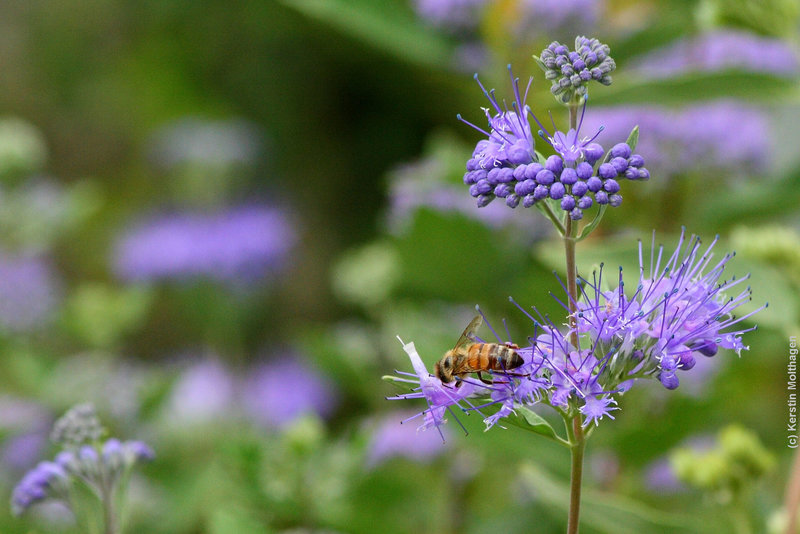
(589, 228)
(530, 420)
(383, 25)
(633, 138)
(607, 513)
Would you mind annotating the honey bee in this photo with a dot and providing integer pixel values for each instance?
(471, 356)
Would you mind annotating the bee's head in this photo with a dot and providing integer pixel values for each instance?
(444, 368)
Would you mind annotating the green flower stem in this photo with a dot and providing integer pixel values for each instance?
(576, 474)
(575, 432)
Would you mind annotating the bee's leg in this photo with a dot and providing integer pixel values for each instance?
(480, 376)
(458, 382)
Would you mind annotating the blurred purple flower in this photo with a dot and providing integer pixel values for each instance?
(194, 140)
(531, 17)
(29, 292)
(20, 452)
(451, 15)
(280, 391)
(721, 135)
(659, 477)
(416, 186)
(204, 391)
(720, 50)
(247, 242)
(550, 17)
(391, 439)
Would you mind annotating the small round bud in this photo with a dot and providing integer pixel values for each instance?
(512, 200)
(469, 178)
(620, 164)
(554, 164)
(528, 201)
(557, 190)
(569, 176)
(503, 190)
(615, 200)
(568, 203)
(525, 188)
(620, 150)
(601, 197)
(686, 361)
(545, 177)
(607, 171)
(483, 187)
(584, 170)
(483, 200)
(541, 192)
(594, 184)
(636, 161)
(493, 175)
(505, 175)
(519, 172)
(669, 379)
(585, 203)
(576, 214)
(580, 189)
(593, 152)
(644, 174)
(631, 173)
(532, 170)
(611, 186)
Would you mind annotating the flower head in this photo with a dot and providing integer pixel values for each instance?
(77, 427)
(100, 465)
(506, 165)
(719, 50)
(390, 439)
(281, 391)
(571, 71)
(243, 243)
(678, 312)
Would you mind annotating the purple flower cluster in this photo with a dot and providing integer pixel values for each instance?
(272, 394)
(571, 71)
(531, 17)
(677, 311)
(453, 15)
(29, 292)
(506, 165)
(720, 50)
(391, 440)
(97, 466)
(721, 135)
(279, 392)
(242, 243)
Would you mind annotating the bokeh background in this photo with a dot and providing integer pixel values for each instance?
(215, 217)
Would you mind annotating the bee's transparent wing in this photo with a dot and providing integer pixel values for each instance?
(468, 337)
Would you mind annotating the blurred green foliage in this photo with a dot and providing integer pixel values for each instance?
(346, 93)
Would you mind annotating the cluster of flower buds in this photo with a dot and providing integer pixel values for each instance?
(97, 464)
(79, 425)
(576, 186)
(581, 174)
(571, 71)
